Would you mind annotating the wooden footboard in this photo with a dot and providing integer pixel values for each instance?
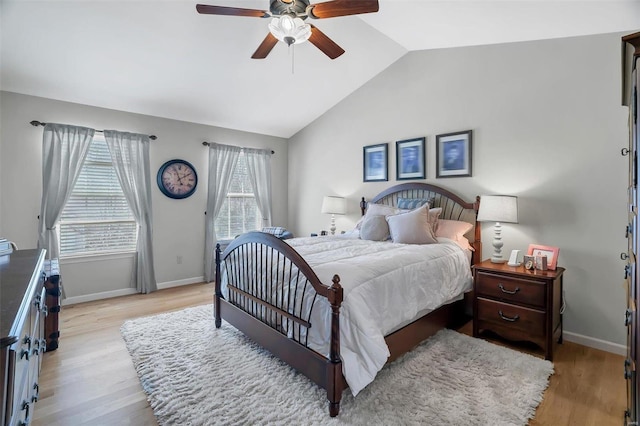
(271, 294)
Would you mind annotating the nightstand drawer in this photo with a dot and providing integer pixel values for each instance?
(511, 289)
(530, 322)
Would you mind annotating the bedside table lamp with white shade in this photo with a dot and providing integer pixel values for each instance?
(498, 208)
(333, 206)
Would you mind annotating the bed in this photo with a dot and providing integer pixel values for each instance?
(282, 295)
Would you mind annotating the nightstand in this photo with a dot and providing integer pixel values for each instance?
(518, 304)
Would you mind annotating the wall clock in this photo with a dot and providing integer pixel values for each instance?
(177, 179)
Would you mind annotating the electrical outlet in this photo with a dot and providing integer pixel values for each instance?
(179, 260)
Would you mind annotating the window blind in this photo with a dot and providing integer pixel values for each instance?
(97, 218)
(239, 212)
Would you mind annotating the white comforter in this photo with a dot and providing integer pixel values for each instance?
(385, 286)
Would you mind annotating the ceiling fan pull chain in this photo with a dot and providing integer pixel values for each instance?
(292, 47)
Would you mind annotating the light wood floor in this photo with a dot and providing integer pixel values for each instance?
(90, 379)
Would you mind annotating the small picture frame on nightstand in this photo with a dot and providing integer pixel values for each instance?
(529, 262)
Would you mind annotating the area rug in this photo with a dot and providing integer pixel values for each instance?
(195, 374)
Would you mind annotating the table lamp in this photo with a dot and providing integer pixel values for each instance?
(333, 206)
(498, 208)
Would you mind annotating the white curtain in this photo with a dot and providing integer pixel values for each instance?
(259, 170)
(64, 149)
(130, 156)
(222, 162)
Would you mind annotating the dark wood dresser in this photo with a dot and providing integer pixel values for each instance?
(631, 82)
(22, 342)
(518, 304)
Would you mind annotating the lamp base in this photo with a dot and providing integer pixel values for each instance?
(333, 224)
(497, 244)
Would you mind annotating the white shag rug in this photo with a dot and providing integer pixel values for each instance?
(195, 374)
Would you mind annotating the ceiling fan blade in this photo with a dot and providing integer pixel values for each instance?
(332, 9)
(265, 47)
(232, 11)
(324, 43)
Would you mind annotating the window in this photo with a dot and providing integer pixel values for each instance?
(239, 212)
(97, 218)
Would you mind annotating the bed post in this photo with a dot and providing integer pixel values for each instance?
(218, 293)
(335, 383)
(477, 243)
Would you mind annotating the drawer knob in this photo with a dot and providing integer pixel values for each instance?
(504, 290)
(514, 319)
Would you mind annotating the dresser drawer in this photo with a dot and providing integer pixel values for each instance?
(511, 289)
(530, 322)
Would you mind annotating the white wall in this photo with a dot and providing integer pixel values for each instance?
(547, 126)
(178, 225)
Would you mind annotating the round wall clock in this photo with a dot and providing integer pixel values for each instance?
(177, 179)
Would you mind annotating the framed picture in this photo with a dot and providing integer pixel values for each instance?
(550, 252)
(374, 163)
(453, 154)
(410, 159)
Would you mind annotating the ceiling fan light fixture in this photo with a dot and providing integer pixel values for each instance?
(290, 30)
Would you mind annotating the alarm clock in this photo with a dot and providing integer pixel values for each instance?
(177, 179)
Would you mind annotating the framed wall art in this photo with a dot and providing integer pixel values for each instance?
(410, 159)
(453, 154)
(550, 252)
(374, 163)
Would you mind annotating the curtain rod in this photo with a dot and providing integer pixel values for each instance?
(205, 143)
(37, 123)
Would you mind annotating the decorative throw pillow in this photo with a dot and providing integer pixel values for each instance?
(412, 227)
(374, 228)
(434, 215)
(377, 210)
(413, 203)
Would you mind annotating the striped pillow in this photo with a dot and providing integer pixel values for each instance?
(413, 203)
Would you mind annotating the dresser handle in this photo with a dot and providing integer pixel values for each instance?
(514, 319)
(507, 291)
(627, 317)
(24, 354)
(25, 408)
(624, 256)
(624, 152)
(627, 370)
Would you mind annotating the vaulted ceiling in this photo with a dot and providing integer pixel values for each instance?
(162, 58)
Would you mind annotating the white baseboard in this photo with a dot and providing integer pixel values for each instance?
(592, 342)
(127, 291)
(98, 296)
(178, 283)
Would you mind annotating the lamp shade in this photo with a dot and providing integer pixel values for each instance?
(334, 205)
(498, 208)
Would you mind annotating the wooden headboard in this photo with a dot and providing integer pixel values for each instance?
(453, 207)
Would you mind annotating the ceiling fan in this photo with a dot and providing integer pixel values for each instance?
(288, 23)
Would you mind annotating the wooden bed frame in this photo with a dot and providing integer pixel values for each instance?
(279, 324)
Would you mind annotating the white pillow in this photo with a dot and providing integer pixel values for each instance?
(412, 227)
(374, 228)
